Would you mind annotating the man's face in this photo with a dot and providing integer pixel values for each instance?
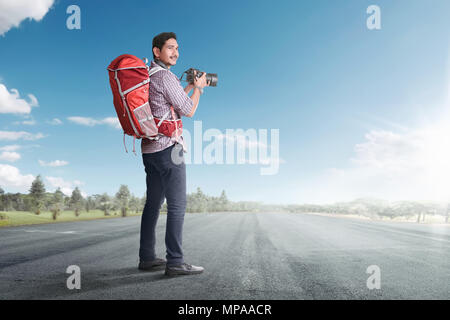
(168, 53)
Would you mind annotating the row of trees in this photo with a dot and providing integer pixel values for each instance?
(39, 200)
(375, 209)
(200, 202)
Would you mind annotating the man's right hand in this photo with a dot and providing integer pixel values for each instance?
(200, 82)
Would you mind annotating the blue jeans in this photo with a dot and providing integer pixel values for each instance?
(165, 179)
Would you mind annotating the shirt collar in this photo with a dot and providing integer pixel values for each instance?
(161, 64)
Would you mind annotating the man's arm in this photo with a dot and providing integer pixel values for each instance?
(177, 96)
(188, 88)
(198, 83)
(196, 99)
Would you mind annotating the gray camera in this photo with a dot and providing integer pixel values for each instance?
(211, 78)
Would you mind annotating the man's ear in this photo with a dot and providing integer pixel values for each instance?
(156, 52)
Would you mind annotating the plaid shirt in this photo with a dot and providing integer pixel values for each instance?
(165, 90)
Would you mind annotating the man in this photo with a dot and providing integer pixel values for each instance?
(167, 178)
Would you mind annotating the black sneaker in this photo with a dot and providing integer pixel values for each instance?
(151, 265)
(183, 269)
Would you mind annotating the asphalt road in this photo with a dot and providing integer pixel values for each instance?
(245, 255)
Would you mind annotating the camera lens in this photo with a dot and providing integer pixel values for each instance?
(212, 79)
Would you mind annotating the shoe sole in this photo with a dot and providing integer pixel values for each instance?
(152, 267)
(155, 268)
(181, 273)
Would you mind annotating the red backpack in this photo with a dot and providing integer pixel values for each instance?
(129, 78)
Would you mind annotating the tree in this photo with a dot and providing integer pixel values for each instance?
(66, 201)
(405, 208)
(37, 194)
(143, 201)
(135, 204)
(223, 201)
(57, 203)
(123, 198)
(105, 203)
(90, 203)
(2, 199)
(421, 210)
(197, 202)
(76, 201)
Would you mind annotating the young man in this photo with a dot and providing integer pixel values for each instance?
(166, 178)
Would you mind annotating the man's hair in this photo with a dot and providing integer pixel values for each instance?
(161, 39)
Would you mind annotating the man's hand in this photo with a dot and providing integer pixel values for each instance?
(200, 82)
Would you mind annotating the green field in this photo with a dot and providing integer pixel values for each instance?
(17, 218)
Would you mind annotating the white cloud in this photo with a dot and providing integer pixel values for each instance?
(33, 100)
(90, 122)
(66, 186)
(10, 148)
(10, 102)
(9, 156)
(56, 163)
(55, 122)
(411, 165)
(26, 122)
(17, 135)
(13, 12)
(112, 121)
(11, 177)
(83, 121)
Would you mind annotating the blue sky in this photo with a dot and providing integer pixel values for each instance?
(355, 108)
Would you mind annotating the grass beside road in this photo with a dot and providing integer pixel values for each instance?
(17, 218)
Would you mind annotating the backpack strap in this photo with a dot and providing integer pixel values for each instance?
(124, 143)
(154, 70)
(163, 118)
(151, 72)
(177, 129)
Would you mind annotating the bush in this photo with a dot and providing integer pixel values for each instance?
(55, 213)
